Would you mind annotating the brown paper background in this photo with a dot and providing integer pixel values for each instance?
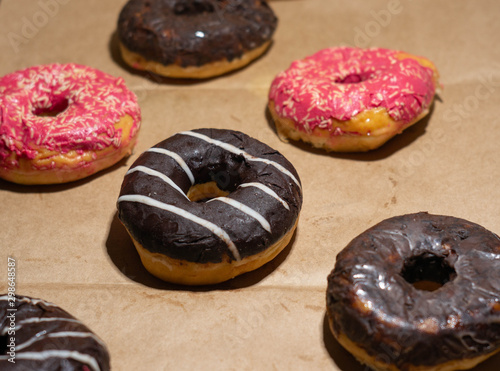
(71, 249)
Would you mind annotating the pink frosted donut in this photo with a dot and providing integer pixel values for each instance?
(351, 99)
(63, 122)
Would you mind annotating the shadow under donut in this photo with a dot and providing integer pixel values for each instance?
(490, 364)
(392, 146)
(124, 256)
(342, 358)
(53, 188)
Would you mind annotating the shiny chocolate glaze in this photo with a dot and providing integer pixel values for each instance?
(173, 235)
(46, 338)
(371, 301)
(195, 32)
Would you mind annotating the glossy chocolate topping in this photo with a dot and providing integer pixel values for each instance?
(372, 298)
(264, 201)
(195, 32)
(45, 337)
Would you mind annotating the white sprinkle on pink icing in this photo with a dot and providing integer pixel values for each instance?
(95, 102)
(339, 83)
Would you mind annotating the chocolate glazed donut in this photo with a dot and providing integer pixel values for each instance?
(208, 204)
(381, 309)
(187, 35)
(38, 335)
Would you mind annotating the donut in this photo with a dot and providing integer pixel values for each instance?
(194, 38)
(418, 292)
(37, 335)
(63, 122)
(349, 99)
(206, 205)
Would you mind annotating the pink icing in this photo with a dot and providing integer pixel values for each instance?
(91, 102)
(339, 83)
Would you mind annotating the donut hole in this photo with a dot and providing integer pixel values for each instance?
(353, 78)
(205, 192)
(55, 106)
(428, 272)
(217, 179)
(194, 7)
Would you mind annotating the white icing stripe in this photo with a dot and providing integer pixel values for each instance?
(177, 158)
(219, 232)
(46, 319)
(267, 190)
(236, 150)
(28, 300)
(46, 354)
(37, 301)
(36, 338)
(27, 343)
(247, 210)
(166, 179)
(19, 324)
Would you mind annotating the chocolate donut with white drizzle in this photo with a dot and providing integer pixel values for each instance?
(46, 338)
(183, 239)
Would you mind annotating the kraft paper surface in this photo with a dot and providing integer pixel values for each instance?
(71, 249)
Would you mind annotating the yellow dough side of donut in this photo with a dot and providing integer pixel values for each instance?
(50, 167)
(217, 68)
(207, 190)
(365, 131)
(377, 365)
(190, 273)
